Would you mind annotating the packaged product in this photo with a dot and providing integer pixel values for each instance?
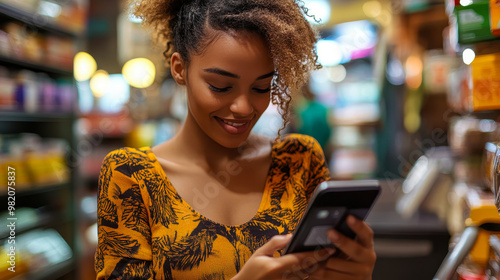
(468, 135)
(473, 22)
(495, 17)
(485, 81)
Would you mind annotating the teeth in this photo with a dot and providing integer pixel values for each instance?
(233, 124)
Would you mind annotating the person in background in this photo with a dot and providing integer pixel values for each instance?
(215, 201)
(312, 119)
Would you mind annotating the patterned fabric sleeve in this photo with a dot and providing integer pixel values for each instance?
(124, 247)
(318, 169)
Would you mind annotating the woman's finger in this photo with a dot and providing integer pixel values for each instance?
(305, 260)
(350, 247)
(363, 232)
(276, 242)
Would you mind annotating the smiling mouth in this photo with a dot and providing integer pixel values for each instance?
(234, 126)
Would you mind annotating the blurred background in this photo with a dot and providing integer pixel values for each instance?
(409, 94)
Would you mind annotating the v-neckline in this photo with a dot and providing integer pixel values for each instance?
(263, 202)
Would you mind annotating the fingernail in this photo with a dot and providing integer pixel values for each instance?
(352, 220)
(330, 251)
(333, 235)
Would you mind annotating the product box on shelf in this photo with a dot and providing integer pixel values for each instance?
(495, 17)
(458, 88)
(473, 22)
(37, 162)
(73, 15)
(25, 5)
(489, 157)
(468, 135)
(437, 66)
(485, 77)
(491, 169)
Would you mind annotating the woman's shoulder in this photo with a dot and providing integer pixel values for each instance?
(297, 143)
(127, 154)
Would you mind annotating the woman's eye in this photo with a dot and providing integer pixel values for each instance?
(262, 90)
(216, 89)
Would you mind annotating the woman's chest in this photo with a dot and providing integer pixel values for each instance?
(188, 245)
(230, 195)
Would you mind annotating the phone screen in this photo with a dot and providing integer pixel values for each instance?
(329, 207)
(323, 219)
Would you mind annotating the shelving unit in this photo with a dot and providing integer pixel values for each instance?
(55, 203)
(38, 190)
(475, 216)
(53, 272)
(36, 117)
(40, 22)
(10, 61)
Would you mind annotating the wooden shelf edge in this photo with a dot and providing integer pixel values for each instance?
(38, 21)
(36, 66)
(49, 220)
(51, 272)
(37, 190)
(36, 117)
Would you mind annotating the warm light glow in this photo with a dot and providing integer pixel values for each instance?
(468, 56)
(84, 66)
(384, 18)
(412, 122)
(414, 69)
(372, 8)
(99, 83)
(139, 72)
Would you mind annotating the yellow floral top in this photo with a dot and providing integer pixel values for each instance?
(147, 231)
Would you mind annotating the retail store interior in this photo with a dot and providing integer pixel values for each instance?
(409, 94)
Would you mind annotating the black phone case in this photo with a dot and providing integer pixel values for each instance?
(330, 204)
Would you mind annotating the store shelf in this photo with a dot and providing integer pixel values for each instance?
(51, 272)
(37, 190)
(34, 66)
(51, 220)
(51, 206)
(36, 117)
(37, 21)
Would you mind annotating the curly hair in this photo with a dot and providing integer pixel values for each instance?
(183, 26)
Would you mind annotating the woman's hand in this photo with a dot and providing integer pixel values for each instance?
(359, 255)
(262, 264)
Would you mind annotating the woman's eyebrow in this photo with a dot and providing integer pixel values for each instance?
(229, 74)
(221, 72)
(270, 74)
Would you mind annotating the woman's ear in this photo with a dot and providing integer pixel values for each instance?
(178, 69)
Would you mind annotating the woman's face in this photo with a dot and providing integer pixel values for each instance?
(228, 86)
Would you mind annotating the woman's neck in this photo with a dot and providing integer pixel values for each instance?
(194, 144)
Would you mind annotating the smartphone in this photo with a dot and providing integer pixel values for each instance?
(329, 206)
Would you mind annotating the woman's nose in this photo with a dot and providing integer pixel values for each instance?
(242, 105)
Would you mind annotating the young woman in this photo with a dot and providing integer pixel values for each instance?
(216, 202)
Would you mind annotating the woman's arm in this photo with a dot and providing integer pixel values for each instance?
(318, 169)
(124, 247)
